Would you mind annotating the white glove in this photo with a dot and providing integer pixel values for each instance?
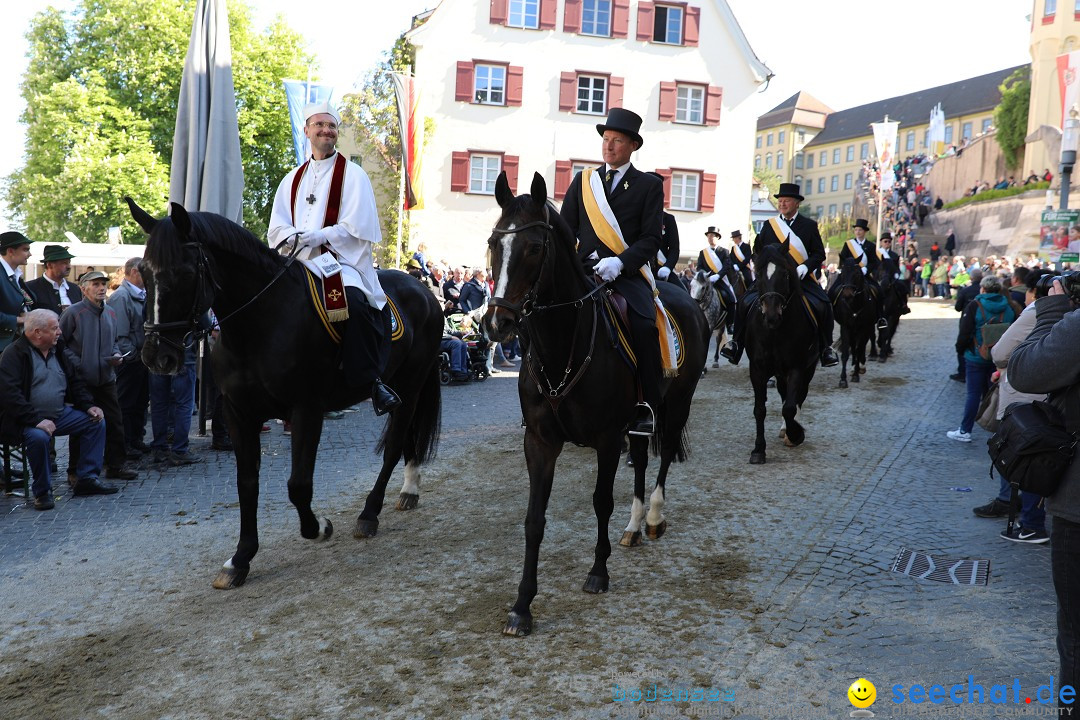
(664, 272)
(608, 268)
(864, 271)
(802, 271)
(315, 238)
(736, 266)
(714, 277)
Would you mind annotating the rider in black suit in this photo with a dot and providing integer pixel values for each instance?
(869, 262)
(668, 256)
(807, 231)
(717, 274)
(741, 256)
(46, 289)
(637, 200)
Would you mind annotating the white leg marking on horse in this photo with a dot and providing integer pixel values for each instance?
(228, 565)
(412, 479)
(637, 512)
(322, 527)
(656, 506)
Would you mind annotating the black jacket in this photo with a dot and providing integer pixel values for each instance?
(473, 294)
(872, 258)
(16, 374)
(46, 297)
(669, 242)
(638, 204)
(807, 230)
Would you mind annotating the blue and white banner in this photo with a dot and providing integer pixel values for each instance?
(299, 93)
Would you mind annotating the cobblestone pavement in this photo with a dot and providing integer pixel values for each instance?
(790, 564)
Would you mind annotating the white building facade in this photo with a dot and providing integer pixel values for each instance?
(519, 85)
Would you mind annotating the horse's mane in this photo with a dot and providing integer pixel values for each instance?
(525, 205)
(164, 248)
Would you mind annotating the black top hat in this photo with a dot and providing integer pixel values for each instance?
(736, 233)
(860, 223)
(624, 121)
(789, 190)
(886, 236)
(12, 239)
(712, 231)
(56, 252)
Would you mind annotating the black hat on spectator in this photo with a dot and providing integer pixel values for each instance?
(52, 253)
(12, 239)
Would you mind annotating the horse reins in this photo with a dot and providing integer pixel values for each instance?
(202, 271)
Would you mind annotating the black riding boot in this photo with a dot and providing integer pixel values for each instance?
(828, 355)
(733, 348)
(383, 399)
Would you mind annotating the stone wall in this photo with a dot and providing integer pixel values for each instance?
(951, 177)
(1008, 226)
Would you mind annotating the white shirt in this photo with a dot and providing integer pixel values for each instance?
(354, 235)
(619, 172)
(17, 272)
(62, 288)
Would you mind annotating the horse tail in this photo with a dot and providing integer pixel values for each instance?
(426, 425)
(656, 443)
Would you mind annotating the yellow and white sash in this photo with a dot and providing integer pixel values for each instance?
(857, 251)
(603, 221)
(737, 249)
(797, 249)
(712, 260)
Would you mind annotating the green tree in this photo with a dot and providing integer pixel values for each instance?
(1011, 114)
(119, 63)
(767, 178)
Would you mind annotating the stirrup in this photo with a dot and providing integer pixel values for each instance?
(882, 324)
(642, 426)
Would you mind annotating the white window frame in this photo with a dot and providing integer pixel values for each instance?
(847, 181)
(489, 94)
(596, 18)
(850, 154)
(673, 24)
(967, 130)
(809, 187)
(836, 156)
(821, 184)
(768, 161)
(757, 140)
(779, 159)
(578, 167)
(847, 208)
(523, 14)
(1050, 8)
(591, 91)
(824, 159)
(780, 138)
(757, 161)
(834, 183)
(948, 134)
(832, 210)
(690, 105)
(483, 171)
(768, 140)
(988, 123)
(798, 161)
(864, 151)
(909, 141)
(685, 191)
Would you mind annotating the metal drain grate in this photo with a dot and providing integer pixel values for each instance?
(941, 569)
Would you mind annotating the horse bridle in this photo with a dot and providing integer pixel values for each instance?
(202, 272)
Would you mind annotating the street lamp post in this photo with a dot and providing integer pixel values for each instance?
(1070, 140)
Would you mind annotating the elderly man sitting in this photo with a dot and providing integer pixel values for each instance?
(41, 396)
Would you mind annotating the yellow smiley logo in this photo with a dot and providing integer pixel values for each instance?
(862, 693)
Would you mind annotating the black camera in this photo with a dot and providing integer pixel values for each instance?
(1070, 283)
(1044, 283)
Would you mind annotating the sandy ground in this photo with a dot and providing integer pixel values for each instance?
(121, 621)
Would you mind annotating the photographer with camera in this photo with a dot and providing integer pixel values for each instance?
(1048, 362)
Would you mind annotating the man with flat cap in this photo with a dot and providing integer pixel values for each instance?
(620, 252)
(867, 258)
(15, 298)
(809, 252)
(328, 204)
(52, 291)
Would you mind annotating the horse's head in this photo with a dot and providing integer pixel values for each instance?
(851, 281)
(700, 285)
(777, 282)
(522, 253)
(178, 287)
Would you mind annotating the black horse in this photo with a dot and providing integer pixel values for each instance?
(781, 342)
(894, 301)
(574, 385)
(276, 359)
(855, 312)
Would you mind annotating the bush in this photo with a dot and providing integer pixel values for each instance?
(995, 194)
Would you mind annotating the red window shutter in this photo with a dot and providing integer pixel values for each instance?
(498, 12)
(571, 21)
(620, 18)
(666, 174)
(547, 14)
(690, 27)
(464, 89)
(645, 13)
(708, 192)
(668, 91)
(563, 170)
(567, 91)
(510, 167)
(459, 172)
(615, 88)
(514, 83)
(714, 96)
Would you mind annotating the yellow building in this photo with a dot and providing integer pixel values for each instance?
(828, 163)
(1053, 33)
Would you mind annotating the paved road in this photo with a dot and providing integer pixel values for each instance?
(815, 608)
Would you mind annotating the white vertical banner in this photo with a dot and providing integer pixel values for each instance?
(935, 140)
(1068, 67)
(885, 134)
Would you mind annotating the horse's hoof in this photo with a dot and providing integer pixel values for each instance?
(631, 539)
(595, 584)
(715, 364)
(230, 578)
(757, 458)
(873, 354)
(655, 532)
(783, 433)
(326, 529)
(517, 625)
(862, 370)
(795, 438)
(365, 528)
(771, 383)
(883, 358)
(855, 376)
(843, 384)
(407, 501)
